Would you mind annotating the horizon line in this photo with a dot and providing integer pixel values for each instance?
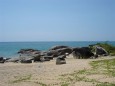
(58, 41)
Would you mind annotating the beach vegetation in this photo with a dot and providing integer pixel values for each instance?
(108, 47)
(41, 84)
(21, 79)
(100, 67)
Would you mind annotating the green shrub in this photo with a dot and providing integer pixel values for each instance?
(109, 48)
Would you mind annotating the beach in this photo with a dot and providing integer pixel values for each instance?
(57, 43)
(46, 73)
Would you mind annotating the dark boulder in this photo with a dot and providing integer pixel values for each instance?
(63, 51)
(1, 58)
(60, 60)
(58, 52)
(58, 47)
(26, 61)
(83, 52)
(15, 60)
(53, 53)
(38, 58)
(100, 51)
(62, 56)
(24, 57)
(2, 61)
(7, 59)
(29, 51)
(48, 57)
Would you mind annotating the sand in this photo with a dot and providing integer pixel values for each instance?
(37, 74)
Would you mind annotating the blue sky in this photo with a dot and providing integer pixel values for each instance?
(57, 20)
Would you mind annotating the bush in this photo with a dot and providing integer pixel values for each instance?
(110, 49)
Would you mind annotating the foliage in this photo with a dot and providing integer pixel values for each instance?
(100, 67)
(108, 47)
(22, 78)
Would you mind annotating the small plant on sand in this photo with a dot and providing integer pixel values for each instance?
(101, 67)
(41, 84)
(104, 66)
(110, 48)
(21, 79)
(105, 84)
(65, 84)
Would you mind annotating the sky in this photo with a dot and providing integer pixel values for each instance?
(57, 20)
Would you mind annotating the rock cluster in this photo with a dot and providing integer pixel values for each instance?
(58, 52)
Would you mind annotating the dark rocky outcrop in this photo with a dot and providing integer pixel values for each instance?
(26, 61)
(38, 58)
(63, 51)
(29, 51)
(48, 57)
(83, 53)
(60, 60)
(53, 53)
(15, 60)
(100, 51)
(58, 47)
(59, 51)
(2, 60)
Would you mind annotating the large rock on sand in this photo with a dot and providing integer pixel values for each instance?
(58, 47)
(83, 53)
(26, 61)
(29, 51)
(15, 60)
(2, 60)
(59, 50)
(100, 51)
(60, 60)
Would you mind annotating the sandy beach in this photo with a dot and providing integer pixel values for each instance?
(46, 73)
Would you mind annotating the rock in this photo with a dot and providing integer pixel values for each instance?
(76, 55)
(64, 51)
(13, 60)
(29, 51)
(48, 57)
(25, 57)
(60, 61)
(7, 59)
(58, 52)
(96, 56)
(62, 56)
(53, 53)
(26, 61)
(2, 61)
(100, 51)
(1, 58)
(83, 52)
(38, 58)
(58, 47)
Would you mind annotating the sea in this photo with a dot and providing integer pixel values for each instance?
(10, 49)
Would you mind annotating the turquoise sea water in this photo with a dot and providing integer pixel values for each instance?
(10, 49)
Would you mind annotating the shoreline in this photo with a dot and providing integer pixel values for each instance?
(10, 49)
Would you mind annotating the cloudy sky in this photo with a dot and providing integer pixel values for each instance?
(57, 20)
